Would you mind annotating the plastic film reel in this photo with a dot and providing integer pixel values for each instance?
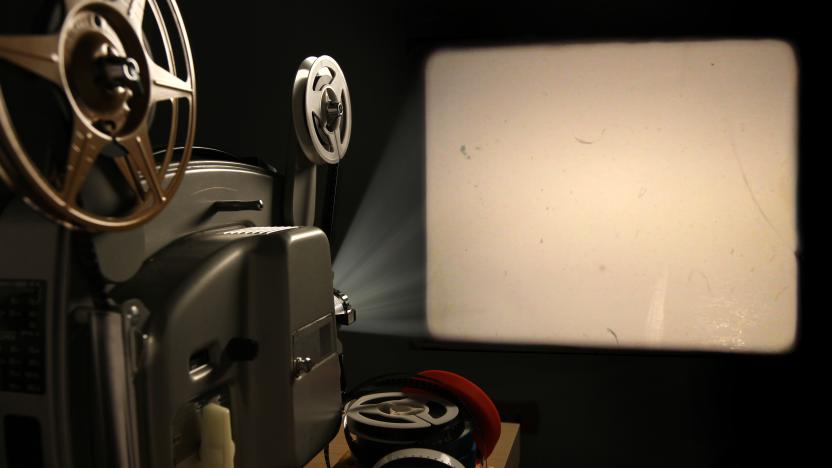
(100, 62)
(480, 407)
(418, 457)
(321, 110)
(402, 416)
(379, 423)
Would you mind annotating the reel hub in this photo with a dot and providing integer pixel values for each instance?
(100, 44)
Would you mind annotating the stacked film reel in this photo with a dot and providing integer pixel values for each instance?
(100, 63)
(423, 425)
(432, 419)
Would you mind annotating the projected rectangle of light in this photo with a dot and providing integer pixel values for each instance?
(613, 195)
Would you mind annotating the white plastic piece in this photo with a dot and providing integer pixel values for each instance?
(217, 449)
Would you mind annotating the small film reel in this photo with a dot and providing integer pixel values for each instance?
(400, 416)
(420, 423)
(321, 110)
(418, 457)
(99, 61)
(433, 418)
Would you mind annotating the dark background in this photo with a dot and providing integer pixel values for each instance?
(590, 408)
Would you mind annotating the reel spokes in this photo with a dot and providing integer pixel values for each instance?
(37, 54)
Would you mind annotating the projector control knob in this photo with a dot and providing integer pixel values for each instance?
(345, 314)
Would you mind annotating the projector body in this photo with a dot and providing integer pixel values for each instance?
(112, 343)
(161, 304)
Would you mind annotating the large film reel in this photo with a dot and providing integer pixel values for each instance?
(99, 59)
(321, 110)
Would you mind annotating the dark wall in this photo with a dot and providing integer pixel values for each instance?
(613, 409)
(247, 53)
(580, 409)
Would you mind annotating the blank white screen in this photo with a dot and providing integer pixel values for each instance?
(634, 195)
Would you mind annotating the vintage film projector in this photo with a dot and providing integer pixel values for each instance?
(160, 306)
